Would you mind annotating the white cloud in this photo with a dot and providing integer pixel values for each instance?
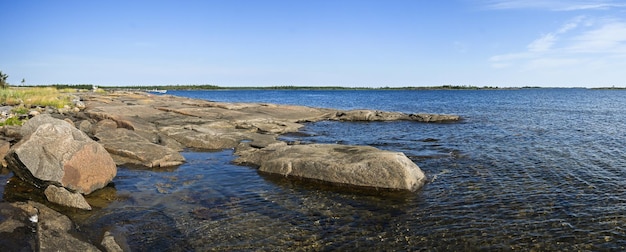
(610, 38)
(592, 6)
(572, 24)
(554, 5)
(579, 42)
(546, 42)
(585, 50)
(542, 44)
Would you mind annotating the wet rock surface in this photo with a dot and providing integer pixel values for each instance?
(32, 226)
(17, 231)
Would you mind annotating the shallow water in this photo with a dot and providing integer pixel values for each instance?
(532, 169)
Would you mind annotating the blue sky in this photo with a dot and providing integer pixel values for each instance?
(353, 43)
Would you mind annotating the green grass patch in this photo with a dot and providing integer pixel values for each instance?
(12, 121)
(20, 110)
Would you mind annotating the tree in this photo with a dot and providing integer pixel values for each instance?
(3, 80)
(23, 81)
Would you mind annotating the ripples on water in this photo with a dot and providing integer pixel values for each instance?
(527, 169)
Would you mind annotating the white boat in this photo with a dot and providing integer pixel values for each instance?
(160, 91)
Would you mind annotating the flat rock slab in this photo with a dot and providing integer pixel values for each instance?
(200, 124)
(342, 164)
(128, 147)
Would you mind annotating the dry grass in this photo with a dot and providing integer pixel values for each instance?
(30, 97)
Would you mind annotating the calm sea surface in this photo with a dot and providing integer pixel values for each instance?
(531, 169)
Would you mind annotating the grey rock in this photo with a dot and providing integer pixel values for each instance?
(434, 118)
(269, 126)
(17, 231)
(53, 232)
(62, 196)
(4, 150)
(85, 126)
(375, 115)
(78, 103)
(34, 113)
(11, 131)
(128, 147)
(253, 128)
(31, 125)
(55, 152)
(103, 125)
(203, 137)
(341, 164)
(31, 226)
(5, 110)
(108, 242)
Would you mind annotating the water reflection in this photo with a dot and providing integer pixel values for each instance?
(18, 190)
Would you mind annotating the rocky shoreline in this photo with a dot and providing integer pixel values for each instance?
(150, 131)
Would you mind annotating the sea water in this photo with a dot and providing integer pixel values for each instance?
(540, 169)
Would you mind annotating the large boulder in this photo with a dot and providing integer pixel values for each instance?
(53, 151)
(361, 166)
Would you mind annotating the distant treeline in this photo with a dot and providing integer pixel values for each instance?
(610, 88)
(166, 87)
(289, 87)
(75, 86)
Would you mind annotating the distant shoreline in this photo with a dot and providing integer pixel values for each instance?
(214, 87)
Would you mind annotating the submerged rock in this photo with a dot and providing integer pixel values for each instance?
(55, 152)
(341, 164)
